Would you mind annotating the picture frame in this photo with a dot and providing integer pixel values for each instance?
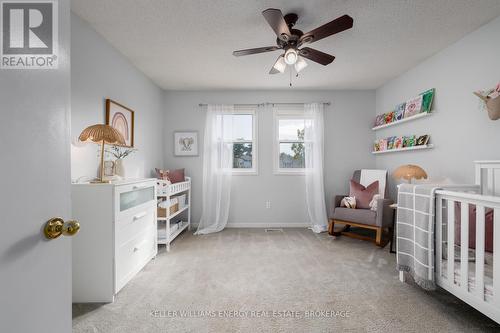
(186, 143)
(109, 168)
(121, 118)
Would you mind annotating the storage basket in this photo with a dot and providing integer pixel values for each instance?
(182, 200)
(162, 212)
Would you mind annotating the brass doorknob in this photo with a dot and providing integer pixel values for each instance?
(56, 227)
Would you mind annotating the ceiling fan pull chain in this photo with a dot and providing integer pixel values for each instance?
(291, 69)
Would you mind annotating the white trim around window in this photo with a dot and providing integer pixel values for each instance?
(249, 110)
(279, 113)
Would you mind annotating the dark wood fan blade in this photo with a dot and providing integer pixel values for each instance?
(274, 70)
(276, 20)
(316, 56)
(255, 51)
(339, 24)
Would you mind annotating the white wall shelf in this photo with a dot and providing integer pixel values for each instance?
(404, 120)
(429, 146)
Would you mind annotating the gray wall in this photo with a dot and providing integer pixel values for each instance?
(98, 71)
(348, 142)
(460, 131)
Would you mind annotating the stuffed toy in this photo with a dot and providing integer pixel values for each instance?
(349, 202)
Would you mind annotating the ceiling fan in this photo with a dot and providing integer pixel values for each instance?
(291, 40)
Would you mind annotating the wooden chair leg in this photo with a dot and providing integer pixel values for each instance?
(330, 227)
(378, 238)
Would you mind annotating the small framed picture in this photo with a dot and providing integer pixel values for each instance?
(109, 168)
(186, 143)
(121, 118)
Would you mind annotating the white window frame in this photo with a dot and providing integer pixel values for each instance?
(248, 110)
(285, 112)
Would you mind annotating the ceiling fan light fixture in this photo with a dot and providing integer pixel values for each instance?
(291, 56)
(280, 65)
(300, 64)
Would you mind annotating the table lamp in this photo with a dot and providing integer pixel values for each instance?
(409, 172)
(101, 134)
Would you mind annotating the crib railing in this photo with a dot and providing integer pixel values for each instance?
(446, 218)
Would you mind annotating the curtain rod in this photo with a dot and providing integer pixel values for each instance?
(269, 103)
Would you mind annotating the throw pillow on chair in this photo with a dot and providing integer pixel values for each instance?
(363, 195)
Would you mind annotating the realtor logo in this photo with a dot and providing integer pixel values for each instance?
(28, 34)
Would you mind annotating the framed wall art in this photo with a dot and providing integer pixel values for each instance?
(121, 118)
(186, 143)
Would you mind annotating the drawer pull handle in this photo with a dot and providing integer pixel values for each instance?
(139, 246)
(138, 187)
(139, 216)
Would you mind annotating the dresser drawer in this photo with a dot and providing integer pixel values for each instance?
(133, 197)
(131, 225)
(132, 256)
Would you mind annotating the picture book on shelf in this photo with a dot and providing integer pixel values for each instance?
(398, 143)
(409, 141)
(399, 112)
(390, 142)
(427, 98)
(383, 144)
(423, 140)
(389, 117)
(413, 106)
(380, 120)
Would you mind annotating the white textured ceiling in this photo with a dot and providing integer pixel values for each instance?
(187, 45)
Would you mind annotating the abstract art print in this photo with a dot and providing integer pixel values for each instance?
(186, 143)
(121, 118)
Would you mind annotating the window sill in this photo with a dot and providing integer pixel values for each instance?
(281, 172)
(245, 173)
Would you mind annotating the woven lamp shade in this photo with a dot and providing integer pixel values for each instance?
(102, 134)
(409, 172)
(98, 133)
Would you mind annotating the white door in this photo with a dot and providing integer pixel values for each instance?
(35, 273)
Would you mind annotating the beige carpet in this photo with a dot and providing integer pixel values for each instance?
(247, 280)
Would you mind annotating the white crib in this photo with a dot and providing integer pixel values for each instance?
(471, 272)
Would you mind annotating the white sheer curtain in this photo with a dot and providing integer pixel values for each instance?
(315, 190)
(217, 164)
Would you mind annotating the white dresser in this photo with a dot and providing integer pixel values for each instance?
(118, 236)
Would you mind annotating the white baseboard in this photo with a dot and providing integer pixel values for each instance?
(260, 225)
(268, 225)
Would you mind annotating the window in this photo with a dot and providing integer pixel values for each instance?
(289, 152)
(240, 130)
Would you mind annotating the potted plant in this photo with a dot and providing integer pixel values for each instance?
(119, 153)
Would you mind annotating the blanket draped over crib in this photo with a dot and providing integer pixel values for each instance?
(415, 232)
